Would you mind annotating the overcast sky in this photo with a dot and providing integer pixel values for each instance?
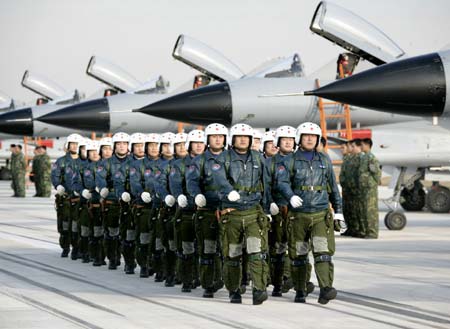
(57, 37)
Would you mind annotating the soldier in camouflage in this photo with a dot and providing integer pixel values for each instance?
(369, 178)
(18, 170)
(44, 170)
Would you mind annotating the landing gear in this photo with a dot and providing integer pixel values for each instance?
(395, 220)
(438, 199)
(413, 199)
(408, 193)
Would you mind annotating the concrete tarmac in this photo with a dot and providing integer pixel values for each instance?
(401, 280)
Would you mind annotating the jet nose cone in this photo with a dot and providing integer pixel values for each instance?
(91, 115)
(413, 86)
(200, 106)
(18, 122)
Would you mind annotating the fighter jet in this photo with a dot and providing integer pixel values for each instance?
(243, 100)
(114, 112)
(20, 122)
(238, 99)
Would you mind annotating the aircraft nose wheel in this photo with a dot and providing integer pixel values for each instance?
(395, 220)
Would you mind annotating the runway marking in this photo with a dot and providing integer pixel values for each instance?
(375, 299)
(225, 322)
(354, 301)
(40, 263)
(350, 260)
(28, 237)
(27, 227)
(51, 310)
(57, 291)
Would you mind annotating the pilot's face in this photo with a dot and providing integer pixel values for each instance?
(308, 142)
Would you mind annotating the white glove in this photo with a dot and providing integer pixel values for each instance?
(274, 210)
(269, 218)
(341, 220)
(60, 190)
(86, 194)
(296, 201)
(146, 197)
(169, 200)
(76, 193)
(182, 201)
(200, 200)
(104, 192)
(126, 197)
(233, 196)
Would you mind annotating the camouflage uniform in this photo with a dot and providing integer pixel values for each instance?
(354, 206)
(346, 198)
(43, 172)
(369, 178)
(18, 169)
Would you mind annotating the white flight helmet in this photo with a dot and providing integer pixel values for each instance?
(180, 138)
(216, 129)
(120, 137)
(195, 136)
(241, 129)
(105, 141)
(84, 142)
(309, 128)
(74, 138)
(167, 138)
(285, 131)
(136, 138)
(257, 134)
(152, 138)
(269, 136)
(92, 146)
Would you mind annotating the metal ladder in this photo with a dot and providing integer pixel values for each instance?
(339, 111)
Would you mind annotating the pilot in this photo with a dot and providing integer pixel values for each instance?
(310, 186)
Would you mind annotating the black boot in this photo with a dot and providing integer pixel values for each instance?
(144, 272)
(300, 297)
(186, 287)
(159, 277)
(65, 253)
(129, 268)
(112, 264)
(235, 297)
(170, 281)
(86, 258)
(208, 293)
(74, 254)
(327, 294)
(276, 292)
(259, 296)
